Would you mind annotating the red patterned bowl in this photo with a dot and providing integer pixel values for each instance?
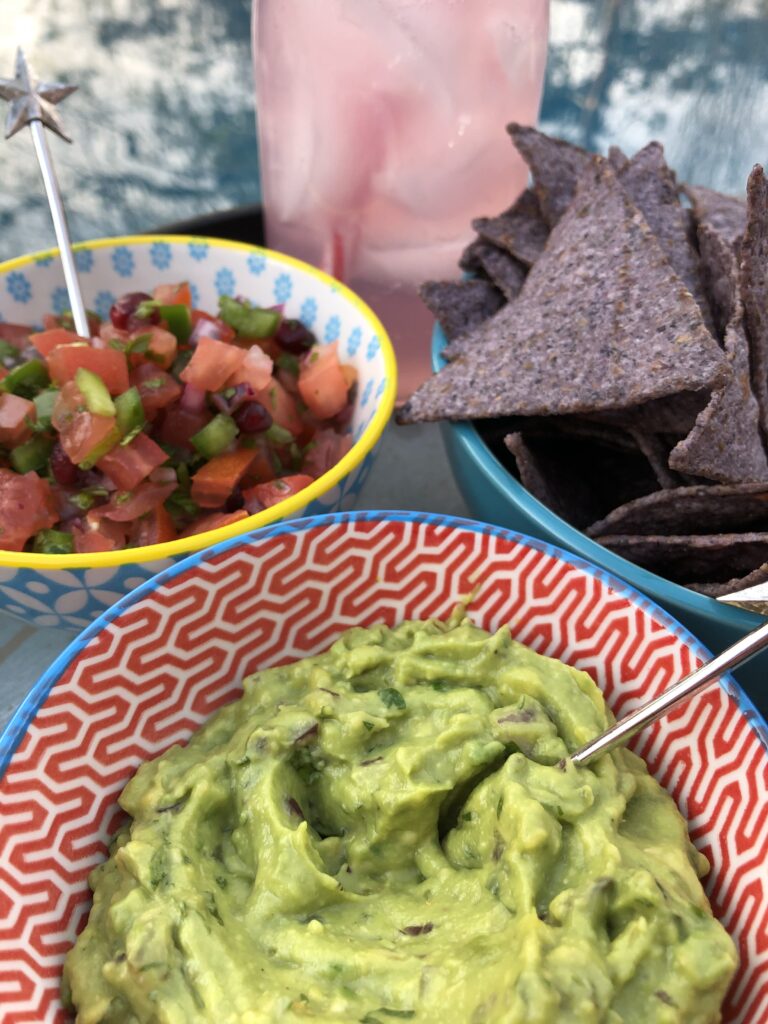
(155, 665)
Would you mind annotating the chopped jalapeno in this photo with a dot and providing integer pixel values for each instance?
(215, 436)
(130, 414)
(33, 455)
(178, 319)
(27, 379)
(94, 391)
(53, 542)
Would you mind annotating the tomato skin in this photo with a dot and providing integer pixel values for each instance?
(212, 364)
(156, 388)
(16, 416)
(274, 491)
(281, 407)
(214, 482)
(127, 465)
(161, 349)
(26, 505)
(65, 360)
(322, 383)
(154, 527)
(173, 294)
(214, 521)
(125, 506)
(46, 341)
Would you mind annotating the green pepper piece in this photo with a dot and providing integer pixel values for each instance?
(109, 442)
(93, 389)
(215, 436)
(278, 435)
(130, 414)
(26, 380)
(53, 542)
(249, 321)
(32, 455)
(44, 403)
(178, 319)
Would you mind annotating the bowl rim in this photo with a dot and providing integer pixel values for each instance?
(17, 726)
(582, 546)
(289, 506)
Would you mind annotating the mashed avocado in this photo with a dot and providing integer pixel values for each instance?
(388, 832)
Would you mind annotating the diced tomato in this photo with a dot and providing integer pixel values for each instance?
(206, 326)
(160, 349)
(98, 534)
(180, 424)
(274, 491)
(154, 527)
(127, 465)
(255, 370)
(80, 432)
(65, 360)
(281, 407)
(214, 522)
(173, 294)
(322, 383)
(156, 387)
(46, 341)
(16, 418)
(212, 363)
(325, 450)
(113, 337)
(350, 374)
(26, 506)
(125, 506)
(16, 334)
(214, 482)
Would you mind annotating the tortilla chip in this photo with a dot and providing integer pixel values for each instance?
(469, 259)
(521, 229)
(752, 579)
(617, 159)
(710, 558)
(460, 305)
(706, 508)
(507, 273)
(576, 476)
(556, 167)
(727, 215)
(720, 270)
(754, 287)
(656, 449)
(652, 187)
(725, 443)
(602, 323)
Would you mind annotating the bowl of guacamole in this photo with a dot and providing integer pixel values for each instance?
(323, 776)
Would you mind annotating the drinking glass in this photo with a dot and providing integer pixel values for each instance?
(381, 134)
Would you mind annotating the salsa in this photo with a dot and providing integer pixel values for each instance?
(391, 830)
(166, 422)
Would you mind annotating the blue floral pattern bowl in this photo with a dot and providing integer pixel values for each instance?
(71, 590)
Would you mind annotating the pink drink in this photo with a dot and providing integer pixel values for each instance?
(381, 126)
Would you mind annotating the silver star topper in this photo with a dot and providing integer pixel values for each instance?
(32, 100)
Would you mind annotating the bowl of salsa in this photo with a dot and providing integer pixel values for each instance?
(221, 387)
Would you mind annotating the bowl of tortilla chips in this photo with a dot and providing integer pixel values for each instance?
(602, 375)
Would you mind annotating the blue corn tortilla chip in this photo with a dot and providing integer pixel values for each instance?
(459, 306)
(556, 167)
(727, 215)
(521, 230)
(705, 508)
(752, 579)
(602, 323)
(502, 269)
(710, 558)
(754, 287)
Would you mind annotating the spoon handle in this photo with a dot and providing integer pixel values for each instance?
(626, 728)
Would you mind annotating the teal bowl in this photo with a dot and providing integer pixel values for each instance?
(495, 496)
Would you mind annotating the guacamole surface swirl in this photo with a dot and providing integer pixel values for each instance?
(388, 832)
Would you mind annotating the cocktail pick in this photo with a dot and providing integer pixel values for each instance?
(619, 734)
(33, 103)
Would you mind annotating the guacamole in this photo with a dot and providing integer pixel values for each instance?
(389, 831)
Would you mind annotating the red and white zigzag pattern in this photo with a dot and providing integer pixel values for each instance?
(159, 669)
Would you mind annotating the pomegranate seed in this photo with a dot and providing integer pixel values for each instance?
(65, 472)
(123, 312)
(252, 418)
(294, 337)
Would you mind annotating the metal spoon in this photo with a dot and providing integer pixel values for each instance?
(626, 728)
(32, 103)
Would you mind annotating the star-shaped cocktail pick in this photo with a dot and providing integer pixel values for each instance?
(32, 103)
(31, 99)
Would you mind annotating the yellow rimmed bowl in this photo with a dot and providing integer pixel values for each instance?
(69, 591)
